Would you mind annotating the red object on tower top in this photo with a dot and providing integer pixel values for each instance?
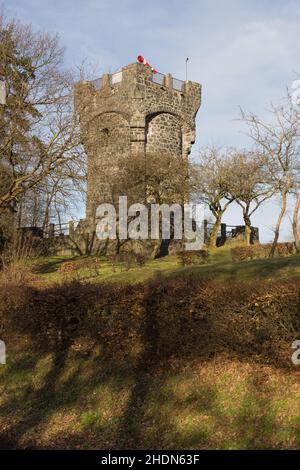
(141, 59)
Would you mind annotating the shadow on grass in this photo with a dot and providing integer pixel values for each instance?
(40, 402)
(51, 266)
(270, 269)
(152, 413)
(155, 415)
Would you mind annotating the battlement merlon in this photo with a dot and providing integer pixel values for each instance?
(136, 94)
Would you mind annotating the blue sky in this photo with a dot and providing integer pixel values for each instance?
(244, 53)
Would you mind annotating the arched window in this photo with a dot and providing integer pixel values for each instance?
(104, 136)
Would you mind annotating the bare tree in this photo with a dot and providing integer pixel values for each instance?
(39, 131)
(148, 178)
(155, 177)
(295, 221)
(210, 180)
(249, 185)
(278, 141)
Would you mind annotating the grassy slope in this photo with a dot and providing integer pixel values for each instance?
(78, 401)
(220, 267)
(219, 404)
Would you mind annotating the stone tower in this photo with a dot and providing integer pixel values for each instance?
(133, 111)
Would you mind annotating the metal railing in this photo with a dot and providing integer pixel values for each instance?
(178, 84)
(116, 77)
(226, 231)
(97, 83)
(158, 78)
(64, 228)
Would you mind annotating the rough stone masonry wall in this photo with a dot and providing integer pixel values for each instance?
(164, 135)
(134, 116)
(110, 138)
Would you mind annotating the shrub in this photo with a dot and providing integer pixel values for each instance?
(18, 272)
(260, 251)
(187, 258)
(17, 261)
(242, 253)
(285, 249)
(127, 259)
(69, 268)
(140, 259)
(112, 258)
(181, 317)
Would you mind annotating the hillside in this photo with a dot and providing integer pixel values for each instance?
(157, 357)
(220, 266)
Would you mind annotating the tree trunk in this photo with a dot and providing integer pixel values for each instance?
(248, 234)
(247, 221)
(20, 214)
(214, 232)
(295, 223)
(278, 224)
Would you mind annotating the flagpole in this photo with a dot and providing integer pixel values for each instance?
(186, 68)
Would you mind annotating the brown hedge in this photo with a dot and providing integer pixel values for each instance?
(187, 258)
(182, 317)
(261, 251)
